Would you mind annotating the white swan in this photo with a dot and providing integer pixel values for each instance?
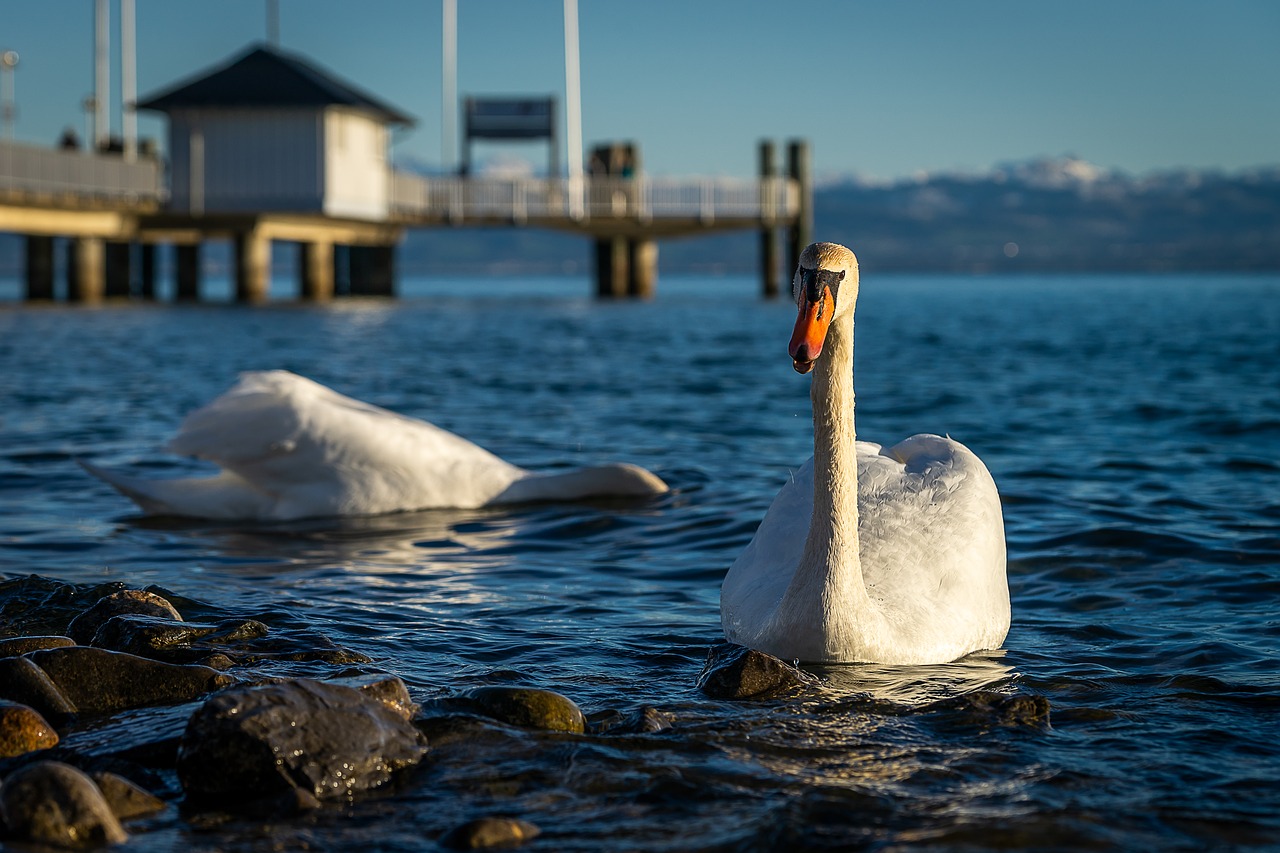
(887, 556)
(291, 448)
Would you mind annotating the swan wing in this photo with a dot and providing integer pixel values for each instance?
(932, 547)
(312, 451)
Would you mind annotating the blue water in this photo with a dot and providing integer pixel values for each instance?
(1132, 425)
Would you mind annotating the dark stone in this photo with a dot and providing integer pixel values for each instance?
(172, 640)
(53, 803)
(24, 682)
(98, 681)
(487, 833)
(642, 721)
(988, 708)
(15, 646)
(83, 628)
(737, 672)
(393, 693)
(126, 799)
(23, 730)
(329, 740)
(528, 707)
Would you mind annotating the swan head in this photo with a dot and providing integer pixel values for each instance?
(825, 287)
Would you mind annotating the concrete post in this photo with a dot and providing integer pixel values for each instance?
(187, 261)
(253, 266)
(770, 281)
(119, 263)
(643, 263)
(373, 270)
(39, 268)
(612, 254)
(86, 269)
(315, 270)
(800, 234)
(147, 274)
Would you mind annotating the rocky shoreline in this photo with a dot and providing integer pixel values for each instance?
(115, 707)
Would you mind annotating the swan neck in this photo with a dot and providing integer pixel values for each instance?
(833, 530)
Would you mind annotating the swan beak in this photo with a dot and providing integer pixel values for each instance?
(811, 330)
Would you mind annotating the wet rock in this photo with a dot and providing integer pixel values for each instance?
(98, 681)
(528, 707)
(127, 800)
(54, 803)
(642, 721)
(14, 646)
(488, 833)
(86, 625)
(328, 740)
(988, 708)
(737, 672)
(172, 640)
(24, 682)
(393, 693)
(23, 730)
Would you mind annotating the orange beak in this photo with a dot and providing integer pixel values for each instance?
(811, 331)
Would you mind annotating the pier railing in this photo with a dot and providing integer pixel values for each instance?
(30, 170)
(550, 200)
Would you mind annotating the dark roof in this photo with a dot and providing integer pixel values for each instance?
(268, 77)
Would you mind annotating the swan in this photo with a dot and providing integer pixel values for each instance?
(867, 554)
(291, 448)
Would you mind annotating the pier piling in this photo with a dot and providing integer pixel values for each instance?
(39, 268)
(769, 277)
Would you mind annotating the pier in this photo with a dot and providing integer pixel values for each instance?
(270, 148)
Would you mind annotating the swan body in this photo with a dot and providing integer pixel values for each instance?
(291, 448)
(869, 554)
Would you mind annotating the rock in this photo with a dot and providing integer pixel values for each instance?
(83, 628)
(393, 693)
(262, 742)
(126, 799)
(98, 681)
(172, 640)
(23, 730)
(53, 803)
(643, 720)
(24, 682)
(737, 672)
(528, 707)
(489, 832)
(14, 646)
(988, 708)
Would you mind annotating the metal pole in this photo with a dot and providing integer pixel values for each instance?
(573, 108)
(128, 81)
(449, 86)
(8, 62)
(273, 23)
(102, 74)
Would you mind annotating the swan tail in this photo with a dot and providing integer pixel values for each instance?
(222, 496)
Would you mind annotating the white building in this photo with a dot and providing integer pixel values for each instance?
(270, 132)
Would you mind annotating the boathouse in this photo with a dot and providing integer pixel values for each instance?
(269, 131)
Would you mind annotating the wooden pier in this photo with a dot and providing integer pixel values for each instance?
(268, 147)
(113, 216)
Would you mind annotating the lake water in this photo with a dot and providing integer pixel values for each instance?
(1132, 425)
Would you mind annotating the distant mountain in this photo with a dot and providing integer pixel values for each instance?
(1046, 215)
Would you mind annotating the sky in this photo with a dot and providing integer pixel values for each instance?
(884, 90)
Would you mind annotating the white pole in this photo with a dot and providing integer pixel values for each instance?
(573, 108)
(102, 74)
(449, 87)
(128, 81)
(8, 62)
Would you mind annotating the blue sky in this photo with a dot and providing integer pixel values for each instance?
(882, 89)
